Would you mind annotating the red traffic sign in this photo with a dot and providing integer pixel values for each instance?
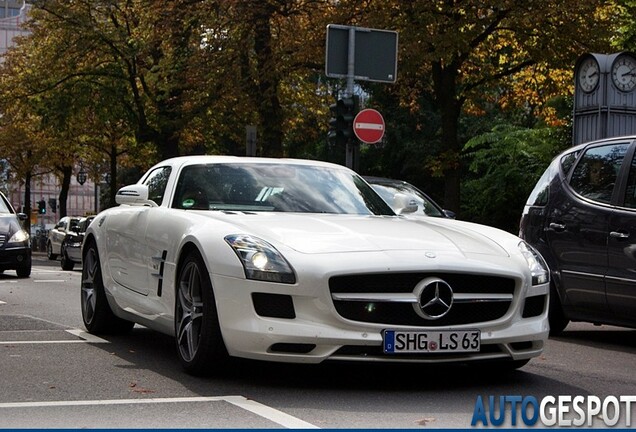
(368, 126)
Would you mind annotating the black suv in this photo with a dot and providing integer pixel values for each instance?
(581, 216)
(15, 244)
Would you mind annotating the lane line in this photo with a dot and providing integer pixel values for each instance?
(269, 413)
(90, 338)
(48, 280)
(86, 338)
(259, 409)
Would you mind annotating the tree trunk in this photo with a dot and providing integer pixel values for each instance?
(67, 173)
(445, 83)
(27, 201)
(267, 100)
(112, 187)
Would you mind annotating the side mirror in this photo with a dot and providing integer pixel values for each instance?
(136, 194)
(403, 204)
(22, 216)
(450, 214)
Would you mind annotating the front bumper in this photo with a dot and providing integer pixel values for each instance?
(314, 331)
(13, 257)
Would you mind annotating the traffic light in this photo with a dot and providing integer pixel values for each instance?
(42, 207)
(341, 121)
(53, 204)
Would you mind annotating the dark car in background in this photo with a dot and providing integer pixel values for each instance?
(404, 198)
(15, 244)
(581, 216)
(71, 249)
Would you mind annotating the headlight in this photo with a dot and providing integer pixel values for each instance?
(19, 237)
(261, 261)
(538, 267)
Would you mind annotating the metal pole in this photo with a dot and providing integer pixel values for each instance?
(351, 57)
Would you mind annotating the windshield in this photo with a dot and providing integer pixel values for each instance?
(276, 187)
(424, 204)
(4, 205)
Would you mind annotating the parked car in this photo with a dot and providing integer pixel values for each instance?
(71, 251)
(301, 261)
(15, 243)
(581, 216)
(404, 198)
(57, 235)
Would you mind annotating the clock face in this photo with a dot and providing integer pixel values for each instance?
(589, 74)
(624, 73)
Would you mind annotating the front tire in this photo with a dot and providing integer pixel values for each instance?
(556, 317)
(49, 252)
(96, 312)
(66, 263)
(199, 342)
(24, 270)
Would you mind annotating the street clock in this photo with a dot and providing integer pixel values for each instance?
(604, 96)
(624, 72)
(589, 74)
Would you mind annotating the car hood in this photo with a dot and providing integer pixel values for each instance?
(313, 234)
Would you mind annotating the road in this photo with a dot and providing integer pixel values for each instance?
(56, 376)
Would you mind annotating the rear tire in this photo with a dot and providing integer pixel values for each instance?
(199, 342)
(556, 317)
(96, 312)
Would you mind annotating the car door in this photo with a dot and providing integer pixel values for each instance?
(57, 235)
(621, 272)
(129, 259)
(578, 225)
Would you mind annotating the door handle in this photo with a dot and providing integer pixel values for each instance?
(557, 226)
(619, 235)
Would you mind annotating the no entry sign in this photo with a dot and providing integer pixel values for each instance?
(368, 126)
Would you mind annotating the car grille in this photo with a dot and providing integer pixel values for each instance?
(3, 239)
(477, 298)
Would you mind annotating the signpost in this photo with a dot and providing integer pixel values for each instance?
(381, 66)
(368, 126)
(363, 54)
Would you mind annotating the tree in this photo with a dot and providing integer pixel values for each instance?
(455, 51)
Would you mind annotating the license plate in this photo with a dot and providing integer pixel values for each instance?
(444, 341)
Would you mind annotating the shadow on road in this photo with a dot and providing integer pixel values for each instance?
(154, 351)
(604, 337)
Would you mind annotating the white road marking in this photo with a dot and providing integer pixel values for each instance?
(272, 414)
(269, 413)
(48, 280)
(43, 270)
(86, 338)
(1, 302)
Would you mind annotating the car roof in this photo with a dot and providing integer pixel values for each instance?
(384, 180)
(216, 159)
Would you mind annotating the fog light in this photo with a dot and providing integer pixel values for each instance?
(20, 258)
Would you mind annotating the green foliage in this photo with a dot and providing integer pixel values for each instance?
(504, 165)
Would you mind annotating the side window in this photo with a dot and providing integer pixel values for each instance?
(540, 193)
(630, 192)
(157, 181)
(567, 161)
(595, 174)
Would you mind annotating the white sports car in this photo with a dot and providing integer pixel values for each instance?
(301, 261)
